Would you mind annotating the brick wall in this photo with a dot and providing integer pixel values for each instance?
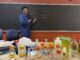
(50, 35)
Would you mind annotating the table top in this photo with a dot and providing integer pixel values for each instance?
(34, 57)
(38, 57)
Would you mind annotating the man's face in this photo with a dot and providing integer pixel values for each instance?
(25, 11)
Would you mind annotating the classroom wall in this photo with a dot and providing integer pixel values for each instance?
(49, 35)
(49, 17)
(43, 1)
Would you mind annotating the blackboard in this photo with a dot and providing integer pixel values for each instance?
(49, 17)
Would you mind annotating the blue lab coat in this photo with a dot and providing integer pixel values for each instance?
(24, 25)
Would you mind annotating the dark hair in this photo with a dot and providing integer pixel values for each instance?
(25, 7)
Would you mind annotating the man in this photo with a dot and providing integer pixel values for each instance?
(25, 22)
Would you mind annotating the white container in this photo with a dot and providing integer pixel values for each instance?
(58, 42)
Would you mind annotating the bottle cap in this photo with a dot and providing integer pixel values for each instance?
(46, 40)
(37, 40)
(21, 46)
(11, 47)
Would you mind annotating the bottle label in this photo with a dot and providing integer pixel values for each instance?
(12, 55)
(22, 54)
(74, 47)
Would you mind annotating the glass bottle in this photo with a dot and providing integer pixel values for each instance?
(12, 53)
(22, 52)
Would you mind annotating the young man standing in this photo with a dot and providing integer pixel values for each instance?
(25, 22)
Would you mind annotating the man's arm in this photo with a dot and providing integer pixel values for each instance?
(22, 20)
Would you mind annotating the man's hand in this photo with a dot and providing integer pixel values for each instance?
(29, 20)
(34, 20)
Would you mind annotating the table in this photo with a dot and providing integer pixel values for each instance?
(33, 57)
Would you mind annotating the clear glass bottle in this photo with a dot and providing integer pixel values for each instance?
(22, 52)
(12, 53)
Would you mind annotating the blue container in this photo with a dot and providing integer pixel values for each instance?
(4, 50)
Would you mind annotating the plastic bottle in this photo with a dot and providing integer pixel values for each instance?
(22, 52)
(57, 43)
(74, 48)
(37, 46)
(58, 48)
(46, 48)
(58, 54)
(37, 49)
(46, 41)
(53, 48)
(37, 41)
(79, 48)
(52, 53)
(12, 53)
(64, 54)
